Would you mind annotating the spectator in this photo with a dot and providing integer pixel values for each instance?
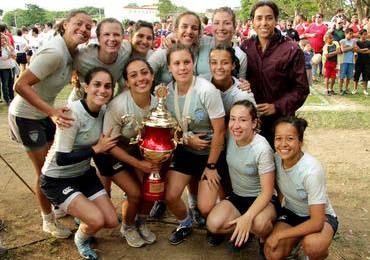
(21, 47)
(6, 66)
(338, 14)
(291, 32)
(348, 47)
(299, 22)
(355, 26)
(362, 65)
(308, 54)
(277, 74)
(331, 50)
(94, 37)
(207, 28)
(337, 30)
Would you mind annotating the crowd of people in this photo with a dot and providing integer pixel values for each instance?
(233, 90)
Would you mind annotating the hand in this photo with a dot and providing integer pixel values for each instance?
(212, 177)
(243, 226)
(145, 166)
(272, 241)
(245, 85)
(105, 143)
(169, 41)
(266, 109)
(197, 143)
(62, 118)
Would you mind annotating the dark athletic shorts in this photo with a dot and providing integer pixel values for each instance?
(21, 58)
(61, 191)
(287, 216)
(32, 133)
(242, 204)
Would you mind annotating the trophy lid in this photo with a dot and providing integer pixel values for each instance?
(160, 116)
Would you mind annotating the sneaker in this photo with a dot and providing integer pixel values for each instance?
(346, 92)
(342, 92)
(3, 250)
(333, 92)
(328, 93)
(366, 93)
(214, 239)
(197, 216)
(85, 250)
(56, 229)
(354, 92)
(77, 221)
(132, 236)
(179, 234)
(58, 212)
(158, 210)
(148, 236)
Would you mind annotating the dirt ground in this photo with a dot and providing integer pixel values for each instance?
(344, 153)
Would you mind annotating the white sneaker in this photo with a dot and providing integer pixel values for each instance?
(354, 92)
(366, 93)
(59, 213)
(132, 236)
(56, 229)
(148, 236)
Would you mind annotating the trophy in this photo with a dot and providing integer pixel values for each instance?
(157, 139)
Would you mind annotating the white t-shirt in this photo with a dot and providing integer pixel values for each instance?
(303, 185)
(20, 44)
(84, 133)
(52, 65)
(205, 104)
(34, 44)
(247, 163)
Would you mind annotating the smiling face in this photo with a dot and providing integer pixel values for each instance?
(241, 125)
(287, 143)
(142, 40)
(223, 27)
(181, 66)
(78, 29)
(188, 30)
(139, 77)
(99, 91)
(264, 22)
(221, 65)
(110, 37)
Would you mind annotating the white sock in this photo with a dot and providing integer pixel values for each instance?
(80, 235)
(192, 200)
(47, 218)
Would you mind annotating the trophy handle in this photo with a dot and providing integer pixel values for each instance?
(178, 135)
(131, 118)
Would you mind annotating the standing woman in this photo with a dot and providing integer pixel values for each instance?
(109, 54)
(307, 214)
(197, 106)
(6, 68)
(142, 40)
(276, 72)
(68, 180)
(31, 113)
(124, 164)
(252, 170)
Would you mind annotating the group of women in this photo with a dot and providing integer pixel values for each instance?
(213, 113)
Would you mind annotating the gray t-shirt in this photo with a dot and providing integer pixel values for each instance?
(84, 133)
(124, 105)
(52, 65)
(88, 58)
(303, 185)
(206, 104)
(247, 163)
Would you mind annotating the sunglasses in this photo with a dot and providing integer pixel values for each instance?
(318, 16)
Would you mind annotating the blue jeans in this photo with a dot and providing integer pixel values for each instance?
(7, 80)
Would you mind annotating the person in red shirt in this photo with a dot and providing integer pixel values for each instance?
(300, 26)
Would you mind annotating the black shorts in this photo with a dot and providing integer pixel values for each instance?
(362, 69)
(21, 58)
(61, 191)
(29, 53)
(109, 166)
(242, 204)
(193, 164)
(289, 217)
(32, 133)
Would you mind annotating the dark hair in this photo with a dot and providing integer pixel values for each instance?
(228, 10)
(3, 28)
(362, 31)
(320, 14)
(59, 27)
(251, 108)
(19, 32)
(178, 47)
(143, 24)
(205, 20)
(108, 20)
(300, 124)
(49, 24)
(133, 60)
(348, 30)
(35, 30)
(91, 73)
(178, 18)
(234, 59)
(261, 3)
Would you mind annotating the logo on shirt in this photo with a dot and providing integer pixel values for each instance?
(67, 190)
(282, 217)
(34, 135)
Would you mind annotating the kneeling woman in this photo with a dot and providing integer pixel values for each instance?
(252, 172)
(307, 215)
(68, 180)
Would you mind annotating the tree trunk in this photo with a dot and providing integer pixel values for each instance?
(359, 10)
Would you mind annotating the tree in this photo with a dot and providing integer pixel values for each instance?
(34, 14)
(165, 8)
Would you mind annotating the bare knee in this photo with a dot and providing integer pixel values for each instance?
(214, 224)
(262, 226)
(172, 197)
(111, 221)
(314, 248)
(134, 196)
(95, 222)
(205, 207)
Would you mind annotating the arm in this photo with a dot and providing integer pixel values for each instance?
(244, 223)
(345, 48)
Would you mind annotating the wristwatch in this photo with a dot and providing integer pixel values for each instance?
(211, 166)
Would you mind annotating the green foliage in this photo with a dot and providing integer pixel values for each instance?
(165, 8)
(245, 9)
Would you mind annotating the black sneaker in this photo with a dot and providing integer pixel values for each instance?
(214, 239)
(179, 234)
(235, 249)
(158, 209)
(197, 217)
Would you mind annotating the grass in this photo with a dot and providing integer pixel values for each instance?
(313, 100)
